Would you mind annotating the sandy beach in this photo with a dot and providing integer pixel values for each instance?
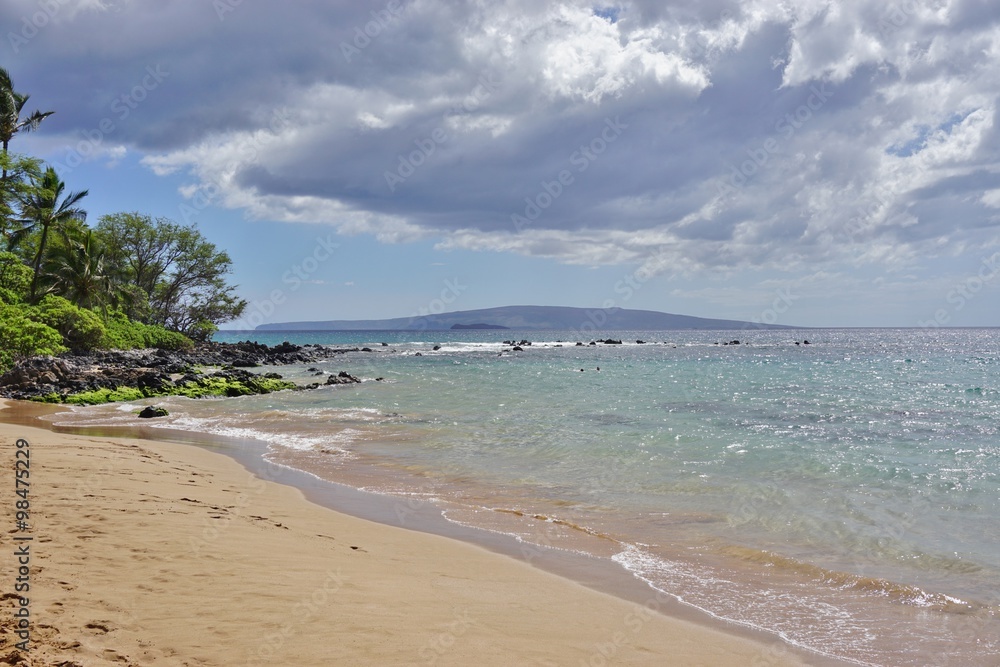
(152, 553)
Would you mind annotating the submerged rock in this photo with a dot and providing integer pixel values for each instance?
(343, 378)
(151, 411)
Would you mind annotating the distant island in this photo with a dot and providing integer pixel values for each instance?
(478, 325)
(560, 318)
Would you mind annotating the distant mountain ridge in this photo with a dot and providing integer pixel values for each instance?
(562, 318)
(478, 325)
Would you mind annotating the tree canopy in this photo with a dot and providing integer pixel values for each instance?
(128, 281)
(11, 109)
(177, 277)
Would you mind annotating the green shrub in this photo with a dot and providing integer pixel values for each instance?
(202, 330)
(158, 337)
(122, 333)
(21, 337)
(15, 278)
(81, 329)
(125, 334)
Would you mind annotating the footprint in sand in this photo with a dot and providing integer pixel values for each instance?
(103, 627)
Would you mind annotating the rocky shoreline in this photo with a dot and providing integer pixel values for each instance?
(122, 375)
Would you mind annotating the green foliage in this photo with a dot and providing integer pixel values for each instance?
(20, 173)
(202, 330)
(158, 337)
(13, 118)
(45, 209)
(22, 337)
(182, 274)
(81, 329)
(124, 334)
(15, 171)
(166, 279)
(76, 269)
(55, 325)
(131, 299)
(14, 278)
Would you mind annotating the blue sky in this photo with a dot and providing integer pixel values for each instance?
(806, 162)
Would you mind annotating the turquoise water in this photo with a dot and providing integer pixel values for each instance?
(844, 494)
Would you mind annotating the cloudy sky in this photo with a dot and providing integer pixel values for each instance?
(808, 162)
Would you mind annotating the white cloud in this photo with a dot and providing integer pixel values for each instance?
(586, 57)
(991, 198)
(870, 131)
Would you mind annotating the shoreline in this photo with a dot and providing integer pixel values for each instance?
(701, 641)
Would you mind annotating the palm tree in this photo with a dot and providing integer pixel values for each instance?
(21, 171)
(11, 105)
(42, 210)
(77, 271)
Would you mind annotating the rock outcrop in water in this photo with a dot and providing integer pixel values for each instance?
(124, 375)
(342, 378)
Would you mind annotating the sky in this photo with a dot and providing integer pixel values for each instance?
(804, 162)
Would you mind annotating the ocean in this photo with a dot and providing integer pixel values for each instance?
(843, 494)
